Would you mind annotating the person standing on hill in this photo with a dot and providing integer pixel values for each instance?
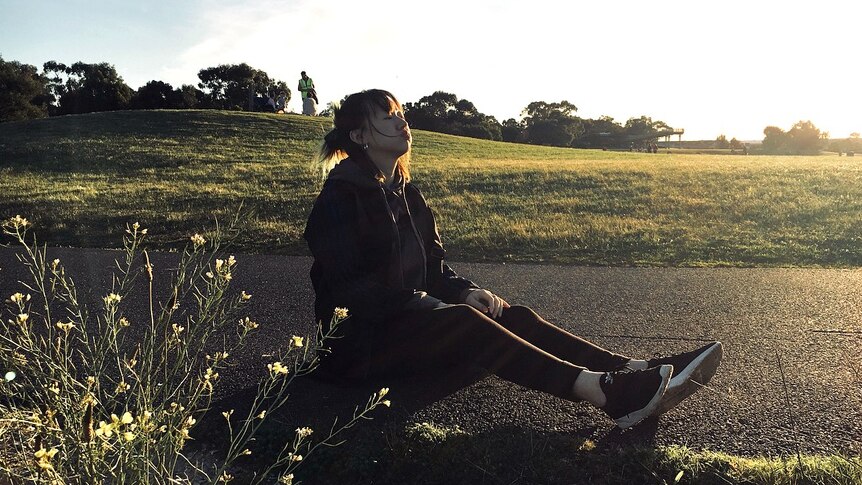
(378, 254)
(309, 95)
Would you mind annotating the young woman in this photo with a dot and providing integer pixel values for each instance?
(377, 252)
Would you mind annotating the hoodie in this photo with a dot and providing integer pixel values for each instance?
(377, 251)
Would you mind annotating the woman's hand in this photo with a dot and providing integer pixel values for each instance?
(486, 302)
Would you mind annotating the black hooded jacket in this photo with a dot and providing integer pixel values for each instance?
(375, 261)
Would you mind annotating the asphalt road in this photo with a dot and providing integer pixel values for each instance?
(809, 320)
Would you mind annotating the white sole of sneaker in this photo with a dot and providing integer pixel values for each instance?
(695, 375)
(636, 417)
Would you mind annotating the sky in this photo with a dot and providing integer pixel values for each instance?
(708, 67)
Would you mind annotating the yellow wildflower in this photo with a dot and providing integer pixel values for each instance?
(198, 240)
(122, 387)
(292, 457)
(225, 477)
(227, 414)
(244, 296)
(178, 329)
(304, 432)
(127, 418)
(296, 341)
(23, 317)
(54, 264)
(218, 264)
(340, 313)
(386, 402)
(105, 430)
(65, 326)
(19, 298)
(124, 322)
(44, 456)
(18, 221)
(245, 452)
(384, 391)
(248, 323)
(129, 436)
(55, 388)
(286, 479)
(112, 299)
(277, 368)
(210, 274)
(262, 414)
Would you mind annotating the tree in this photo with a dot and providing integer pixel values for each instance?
(603, 132)
(551, 123)
(735, 144)
(161, 95)
(445, 113)
(23, 92)
(430, 112)
(512, 130)
(156, 95)
(190, 96)
(804, 138)
(644, 127)
(85, 88)
(721, 142)
(228, 86)
(775, 140)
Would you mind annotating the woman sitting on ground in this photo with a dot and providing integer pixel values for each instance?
(377, 252)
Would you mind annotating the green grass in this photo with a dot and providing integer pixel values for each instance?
(82, 178)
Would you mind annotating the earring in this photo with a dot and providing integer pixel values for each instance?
(365, 146)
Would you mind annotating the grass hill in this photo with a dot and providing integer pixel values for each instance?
(82, 178)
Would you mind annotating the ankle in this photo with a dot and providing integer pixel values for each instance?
(587, 388)
(636, 364)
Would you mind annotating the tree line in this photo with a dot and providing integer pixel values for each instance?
(542, 123)
(61, 89)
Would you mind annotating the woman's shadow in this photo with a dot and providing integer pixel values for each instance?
(325, 402)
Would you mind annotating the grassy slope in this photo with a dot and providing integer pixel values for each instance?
(82, 178)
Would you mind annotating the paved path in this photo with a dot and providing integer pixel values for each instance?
(811, 319)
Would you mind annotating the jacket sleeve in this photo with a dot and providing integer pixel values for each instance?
(333, 238)
(443, 282)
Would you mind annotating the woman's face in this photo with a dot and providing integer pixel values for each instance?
(388, 132)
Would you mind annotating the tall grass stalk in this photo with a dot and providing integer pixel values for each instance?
(103, 398)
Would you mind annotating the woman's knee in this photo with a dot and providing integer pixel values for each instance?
(520, 312)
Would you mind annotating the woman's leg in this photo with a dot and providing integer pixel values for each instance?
(528, 325)
(461, 335)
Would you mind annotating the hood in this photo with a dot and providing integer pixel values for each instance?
(360, 173)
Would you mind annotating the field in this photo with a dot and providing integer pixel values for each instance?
(80, 179)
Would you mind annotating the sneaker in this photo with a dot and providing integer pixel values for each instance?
(692, 371)
(634, 394)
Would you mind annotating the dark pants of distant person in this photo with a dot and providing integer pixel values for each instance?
(519, 346)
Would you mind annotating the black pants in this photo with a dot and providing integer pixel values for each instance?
(519, 347)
